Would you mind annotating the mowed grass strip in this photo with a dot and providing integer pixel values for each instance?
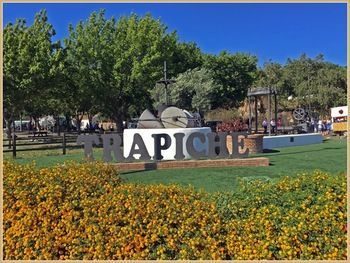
(330, 156)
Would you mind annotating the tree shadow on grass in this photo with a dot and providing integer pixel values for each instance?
(270, 151)
(332, 148)
(131, 172)
(308, 151)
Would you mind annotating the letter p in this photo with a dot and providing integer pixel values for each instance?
(158, 147)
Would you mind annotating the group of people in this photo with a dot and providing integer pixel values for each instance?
(94, 127)
(322, 126)
(273, 124)
(98, 127)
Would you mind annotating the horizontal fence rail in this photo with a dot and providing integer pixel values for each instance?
(30, 142)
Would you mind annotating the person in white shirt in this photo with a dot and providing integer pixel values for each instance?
(264, 124)
(320, 126)
(273, 125)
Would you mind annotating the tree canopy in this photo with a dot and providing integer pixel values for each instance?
(31, 61)
(312, 82)
(193, 90)
(234, 74)
(110, 66)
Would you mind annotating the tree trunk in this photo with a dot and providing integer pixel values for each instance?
(68, 122)
(30, 128)
(78, 118)
(58, 126)
(8, 122)
(20, 119)
(78, 124)
(119, 122)
(36, 123)
(90, 121)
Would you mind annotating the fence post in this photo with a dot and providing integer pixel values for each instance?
(10, 142)
(14, 145)
(64, 143)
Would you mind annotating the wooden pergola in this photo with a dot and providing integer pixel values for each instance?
(253, 93)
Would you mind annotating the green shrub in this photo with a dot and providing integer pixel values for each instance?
(301, 217)
(84, 211)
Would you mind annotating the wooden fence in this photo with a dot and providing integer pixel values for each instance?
(31, 143)
(43, 142)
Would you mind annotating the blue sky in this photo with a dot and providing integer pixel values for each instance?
(269, 31)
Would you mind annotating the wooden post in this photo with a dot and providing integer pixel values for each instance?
(14, 145)
(64, 143)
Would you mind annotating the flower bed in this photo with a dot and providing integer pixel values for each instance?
(295, 218)
(253, 141)
(84, 211)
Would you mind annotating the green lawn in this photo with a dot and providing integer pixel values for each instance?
(330, 156)
(45, 158)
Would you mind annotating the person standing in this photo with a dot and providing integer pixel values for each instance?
(328, 126)
(320, 126)
(313, 128)
(273, 126)
(264, 124)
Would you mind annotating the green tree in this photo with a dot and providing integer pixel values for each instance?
(181, 56)
(15, 67)
(113, 65)
(29, 61)
(272, 75)
(138, 54)
(302, 75)
(89, 64)
(332, 88)
(315, 83)
(193, 90)
(234, 74)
